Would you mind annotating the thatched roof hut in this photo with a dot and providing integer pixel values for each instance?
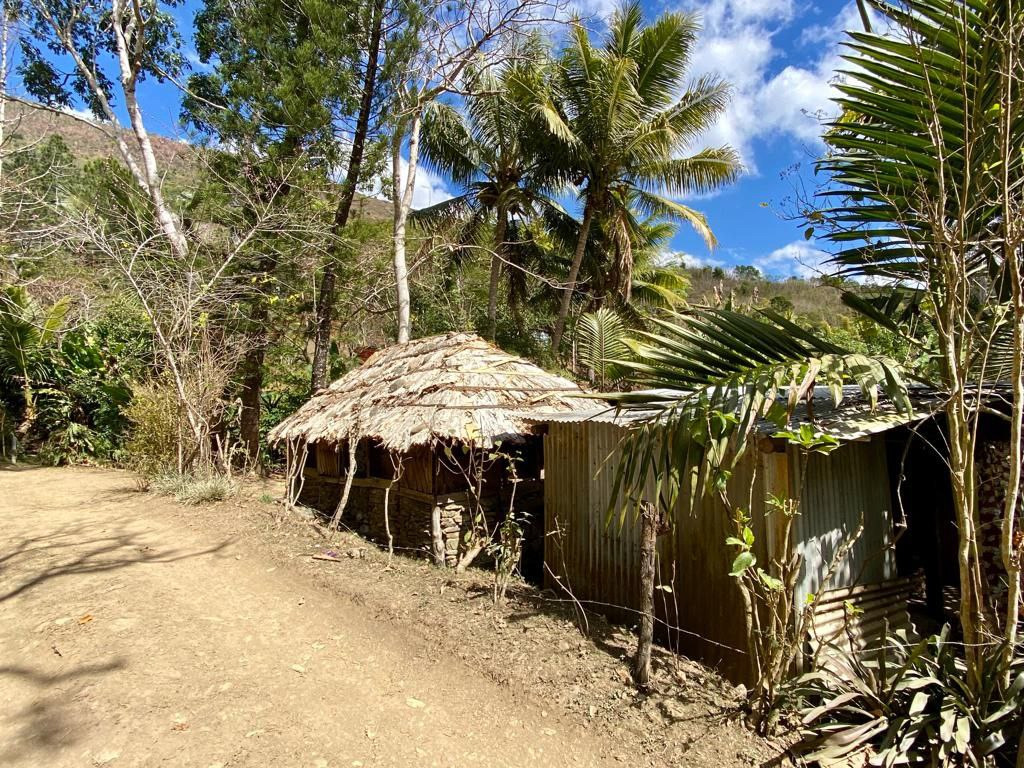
(453, 387)
(401, 412)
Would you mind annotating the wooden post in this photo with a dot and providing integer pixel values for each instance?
(353, 444)
(437, 539)
(648, 553)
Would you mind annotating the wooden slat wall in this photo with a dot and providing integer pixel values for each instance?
(327, 460)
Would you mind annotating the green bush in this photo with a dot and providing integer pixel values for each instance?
(912, 704)
(152, 449)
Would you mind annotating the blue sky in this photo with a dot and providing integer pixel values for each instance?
(779, 56)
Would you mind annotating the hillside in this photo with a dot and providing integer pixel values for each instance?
(90, 140)
(812, 299)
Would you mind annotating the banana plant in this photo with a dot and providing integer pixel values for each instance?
(27, 332)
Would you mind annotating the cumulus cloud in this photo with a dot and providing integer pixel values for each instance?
(769, 99)
(430, 188)
(689, 260)
(800, 258)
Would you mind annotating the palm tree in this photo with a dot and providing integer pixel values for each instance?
(621, 128)
(491, 150)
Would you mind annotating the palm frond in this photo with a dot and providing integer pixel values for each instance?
(601, 342)
(710, 376)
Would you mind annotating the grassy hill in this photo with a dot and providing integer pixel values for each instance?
(812, 299)
(91, 140)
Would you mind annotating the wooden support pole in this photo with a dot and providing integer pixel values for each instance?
(437, 540)
(648, 553)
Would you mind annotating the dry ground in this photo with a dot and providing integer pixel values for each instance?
(135, 631)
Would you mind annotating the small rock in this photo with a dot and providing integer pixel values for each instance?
(298, 668)
(415, 703)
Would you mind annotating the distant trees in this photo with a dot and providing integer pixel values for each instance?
(302, 106)
(282, 84)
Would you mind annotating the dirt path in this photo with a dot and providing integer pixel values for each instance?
(130, 637)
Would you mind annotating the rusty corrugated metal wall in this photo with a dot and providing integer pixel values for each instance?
(598, 559)
(599, 562)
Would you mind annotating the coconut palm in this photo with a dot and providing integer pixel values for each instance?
(622, 127)
(490, 149)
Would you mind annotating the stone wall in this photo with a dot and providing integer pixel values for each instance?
(410, 514)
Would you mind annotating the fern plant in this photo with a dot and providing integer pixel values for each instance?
(602, 347)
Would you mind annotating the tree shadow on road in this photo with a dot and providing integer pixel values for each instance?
(46, 725)
(32, 561)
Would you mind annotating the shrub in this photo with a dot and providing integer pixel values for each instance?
(192, 489)
(152, 449)
(912, 704)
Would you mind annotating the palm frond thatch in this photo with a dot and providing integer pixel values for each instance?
(451, 387)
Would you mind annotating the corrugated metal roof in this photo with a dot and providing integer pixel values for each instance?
(852, 419)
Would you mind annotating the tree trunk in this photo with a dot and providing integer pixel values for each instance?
(574, 272)
(252, 387)
(322, 332)
(325, 306)
(402, 197)
(496, 264)
(648, 552)
(153, 181)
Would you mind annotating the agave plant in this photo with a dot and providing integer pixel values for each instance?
(911, 705)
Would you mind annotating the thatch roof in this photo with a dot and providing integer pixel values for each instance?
(456, 386)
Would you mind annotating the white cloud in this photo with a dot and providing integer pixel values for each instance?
(738, 44)
(800, 258)
(695, 262)
(430, 188)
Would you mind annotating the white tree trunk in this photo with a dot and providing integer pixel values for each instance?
(150, 169)
(402, 201)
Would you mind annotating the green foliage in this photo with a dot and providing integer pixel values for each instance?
(49, 75)
(27, 333)
(152, 449)
(601, 340)
(711, 375)
(912, 704)
(621, 119)
(284, 75)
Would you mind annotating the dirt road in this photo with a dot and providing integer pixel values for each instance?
(129, 637)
